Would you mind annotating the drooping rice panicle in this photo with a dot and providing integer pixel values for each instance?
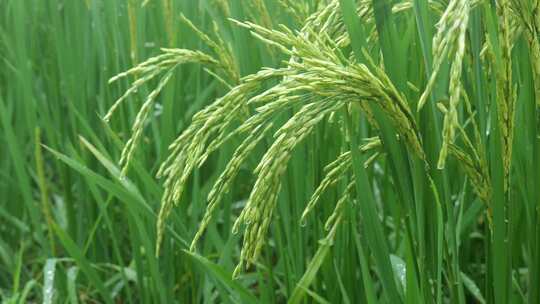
(345, 197)
(318, 72)
(450, 34)
(505, 94)
(153, 66)
(140, 121)
(222, 52)
(335, 171)
(475, 170)
(473, 163)
(451, 115)
(322, 74)
(149, 70)
(257, 213)
(225, 180)
(324, 61)
(207, 131)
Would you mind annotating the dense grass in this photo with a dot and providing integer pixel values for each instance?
(447, 211)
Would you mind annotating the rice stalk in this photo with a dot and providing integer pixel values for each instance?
(259, 7)
(169, 21)
(132, 16)
(224, 7)
(44, 190)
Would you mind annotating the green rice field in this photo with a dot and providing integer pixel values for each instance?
(270, 151)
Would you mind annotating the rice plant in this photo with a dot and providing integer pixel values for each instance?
(275, 151)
